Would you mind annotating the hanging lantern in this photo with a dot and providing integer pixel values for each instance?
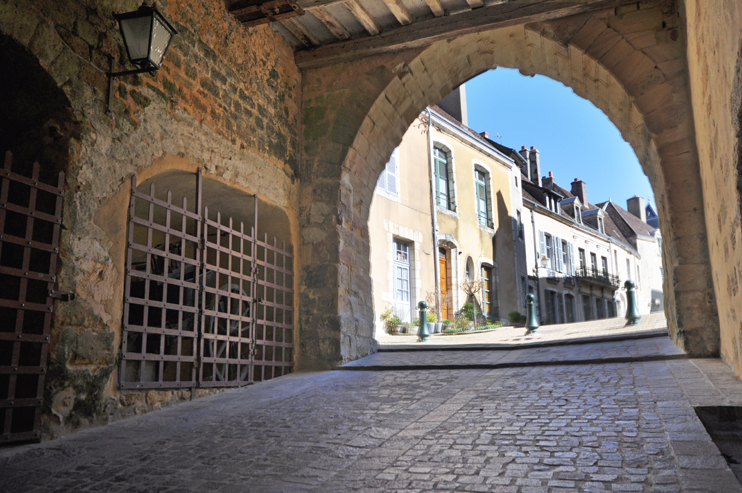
(147, 36)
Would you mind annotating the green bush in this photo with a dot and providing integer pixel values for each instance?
(447, 322)
(451, 331)
(432, 318)
(468, 311)
(461, 323)
(514, 317)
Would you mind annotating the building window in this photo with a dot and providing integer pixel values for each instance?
(566, 258)
(484, 199)
(549, 249)
(604, 264)
(582, 259)
(601, 225)
(443, 188)
(628, 269)
(594, 263)
(389, 179)
(402, 287)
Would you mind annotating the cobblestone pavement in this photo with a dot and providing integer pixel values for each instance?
(588, 427)
(660, 347)
(516, 335)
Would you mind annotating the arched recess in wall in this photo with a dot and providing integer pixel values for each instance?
(209, 280)
(36, 128)
(36, 122)
(646, 100)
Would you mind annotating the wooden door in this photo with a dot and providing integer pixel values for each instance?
(443, 281)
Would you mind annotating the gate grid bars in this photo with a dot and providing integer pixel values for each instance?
(30, 220)
(206, 304)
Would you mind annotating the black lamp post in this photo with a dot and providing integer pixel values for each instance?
(147, 36)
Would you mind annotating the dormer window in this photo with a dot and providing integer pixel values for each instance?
(578, 215)
(601, 225)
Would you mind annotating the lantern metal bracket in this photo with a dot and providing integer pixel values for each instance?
(113, 75)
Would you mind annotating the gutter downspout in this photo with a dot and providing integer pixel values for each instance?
(434, 218)
(535, 251)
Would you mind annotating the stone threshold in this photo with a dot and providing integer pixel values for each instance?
(519, 364)
(522, 345)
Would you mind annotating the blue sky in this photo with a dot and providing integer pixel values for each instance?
(576, 139)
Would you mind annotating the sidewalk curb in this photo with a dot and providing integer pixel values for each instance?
(525, 345)
(520, 364)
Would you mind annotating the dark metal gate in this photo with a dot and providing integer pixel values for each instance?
(30, 220)
(206, 304)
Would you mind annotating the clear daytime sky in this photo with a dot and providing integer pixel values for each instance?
(575, 139)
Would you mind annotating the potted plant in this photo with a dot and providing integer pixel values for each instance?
(432, 325)
(391, 320)
(446, 324)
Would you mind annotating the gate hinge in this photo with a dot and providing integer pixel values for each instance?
(61, 295)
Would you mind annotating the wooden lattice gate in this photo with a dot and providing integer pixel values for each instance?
(206, 303)
(30, 223)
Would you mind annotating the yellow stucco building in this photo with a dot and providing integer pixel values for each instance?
(444, 178)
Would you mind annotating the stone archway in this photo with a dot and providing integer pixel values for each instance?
(632, 67)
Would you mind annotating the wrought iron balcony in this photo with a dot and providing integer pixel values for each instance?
(596, 276)
(568, 280)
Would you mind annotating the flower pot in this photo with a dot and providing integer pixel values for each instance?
(439, 327)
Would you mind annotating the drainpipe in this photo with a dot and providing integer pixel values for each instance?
(434, 217)
(535, 251)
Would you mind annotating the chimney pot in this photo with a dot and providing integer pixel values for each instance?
(522, 148)
(486, 135)
(551, 175)
(533, 148)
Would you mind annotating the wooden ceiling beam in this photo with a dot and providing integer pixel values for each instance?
(436, 7)
(368, 22)
(427, 32)
(331, 23)
(399, 11)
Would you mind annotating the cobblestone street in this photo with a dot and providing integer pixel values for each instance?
(580, 427)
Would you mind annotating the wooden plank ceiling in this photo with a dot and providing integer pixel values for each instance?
(332, 31)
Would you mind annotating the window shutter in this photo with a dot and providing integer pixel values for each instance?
(382, 181)
(542, 238)
(572, 269)
(391, 175)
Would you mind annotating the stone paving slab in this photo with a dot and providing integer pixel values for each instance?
(608, 427)
(643, 349)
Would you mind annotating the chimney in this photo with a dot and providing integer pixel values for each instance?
(455, 104)
(637, 207)
(548, 181)
(579, 190)
(524, 152)
(535, 164)
(486, 135)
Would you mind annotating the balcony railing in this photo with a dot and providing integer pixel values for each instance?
(596, 276)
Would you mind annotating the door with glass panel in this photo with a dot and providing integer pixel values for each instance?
(401, 266)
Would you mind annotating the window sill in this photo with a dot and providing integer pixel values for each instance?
(447, 212)
(387, 195)
(486, 229)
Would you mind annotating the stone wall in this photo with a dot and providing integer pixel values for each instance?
(715, 66)
(226, 100)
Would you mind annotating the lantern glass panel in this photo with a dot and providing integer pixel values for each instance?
(136, 32)
(161, 36)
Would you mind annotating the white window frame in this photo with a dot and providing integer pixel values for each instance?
(488, 189)
(445, 146)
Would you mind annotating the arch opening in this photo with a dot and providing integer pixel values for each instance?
(656, 127)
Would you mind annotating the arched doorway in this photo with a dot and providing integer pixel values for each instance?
(35, 132)
(208, 296)
(644, 97)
